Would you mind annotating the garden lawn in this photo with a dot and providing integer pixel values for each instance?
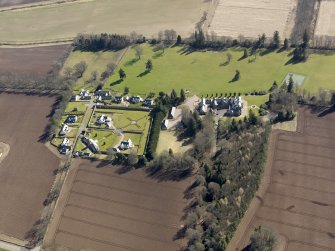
(96, 61)
(124, 120)
(139, 140)
(168, 140)
(256, 100)
(106, 139)
(79, 106)
(205, 73)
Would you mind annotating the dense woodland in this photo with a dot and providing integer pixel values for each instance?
(226, 183)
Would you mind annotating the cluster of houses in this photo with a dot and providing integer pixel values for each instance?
(233, 105)
(105, 95)
(64, 147)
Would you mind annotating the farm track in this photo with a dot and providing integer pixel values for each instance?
(297, 198)
(104, 210)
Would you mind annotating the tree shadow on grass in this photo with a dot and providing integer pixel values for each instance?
(131, 62)
(117, 82)
(266, 51)
(158, 54)
(224, 64)
(186, 50)
(143, 74)
(292, 61)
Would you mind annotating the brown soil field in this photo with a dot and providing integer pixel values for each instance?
(30, 60)
(298, 202)
(103, 210)
(326, 19)
(26, 173)
(233, 18)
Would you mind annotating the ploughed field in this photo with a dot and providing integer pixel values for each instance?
(105, 210)
(299, 203)
(26, 172)
(37, 60)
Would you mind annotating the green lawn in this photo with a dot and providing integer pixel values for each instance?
(80, 146)
(205, 73)
(138, 140)
(122, 120)
(2, 249)
(96, 61)
(106, 139)
(256, 100)
(131, 120)
(76, 108)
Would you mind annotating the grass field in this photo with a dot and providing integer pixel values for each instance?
(206, 73)
(63, 21)
(96, 62)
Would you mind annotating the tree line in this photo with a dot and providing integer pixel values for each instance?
(99, 42)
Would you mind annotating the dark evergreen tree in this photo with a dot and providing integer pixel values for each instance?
(290, 84)
(178, 40)
(245, 53)
(305, 40)
(122, 74)
(286, 44)
(276, 40)
(148, 66)
(182, 95)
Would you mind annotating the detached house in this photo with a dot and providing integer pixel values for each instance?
(165, 124)
(118, 100)
(135, 99)
(64, 147)
(172, 113)
(64, 130)
(71, 119)
(85, 95)
(148, 102)
(126, 145)
(104, 120)
(91, 144)
(103, 95)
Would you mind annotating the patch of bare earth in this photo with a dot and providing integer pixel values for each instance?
(102, 209)
(297, 198)
(37, 60)
(26, 173)
(234, 18)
